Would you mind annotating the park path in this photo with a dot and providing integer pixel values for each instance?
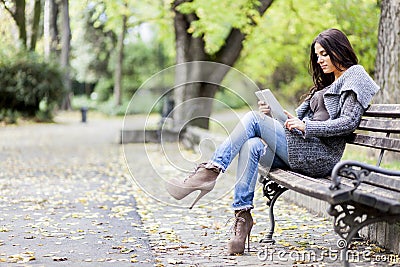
(71, 195)
(65, 196)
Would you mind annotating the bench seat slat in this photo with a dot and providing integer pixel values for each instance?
(317, 188)
(383, 110)
(378, 198)
(390, 144)
(383, 181)
(380, 125)
(383, 199)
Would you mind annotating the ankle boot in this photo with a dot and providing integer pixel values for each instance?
(241, 230)
(202, 179)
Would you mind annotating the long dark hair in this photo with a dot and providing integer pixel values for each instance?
(340, 51)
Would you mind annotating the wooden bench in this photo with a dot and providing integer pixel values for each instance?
(359, 194)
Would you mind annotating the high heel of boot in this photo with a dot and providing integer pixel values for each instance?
(241, 230)
(178, 191)
(248, 242)
(202, 179)
(202, 194)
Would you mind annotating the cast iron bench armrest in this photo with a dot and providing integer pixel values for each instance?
(344, 168)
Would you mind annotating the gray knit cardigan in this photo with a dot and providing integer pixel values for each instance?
(316, 152)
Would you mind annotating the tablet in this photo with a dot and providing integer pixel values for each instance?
(276, 109)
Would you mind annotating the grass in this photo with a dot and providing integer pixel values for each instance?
(370, 156)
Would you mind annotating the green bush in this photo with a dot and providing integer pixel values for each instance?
(29, 87)
(104, 89)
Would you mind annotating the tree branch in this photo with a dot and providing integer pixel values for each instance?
(265, 4)
(229, 53)
(8, 9)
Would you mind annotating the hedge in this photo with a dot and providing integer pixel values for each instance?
(29, 87)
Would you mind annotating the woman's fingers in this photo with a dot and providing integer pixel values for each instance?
(290, 116)
(264, 108)
(294, 123)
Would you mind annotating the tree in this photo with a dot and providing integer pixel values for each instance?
(387, 73)
(65, 52)
(200, 37)
(92, 46)
(16, 9)
(120, 59)
(37, 11)
(122, 16)
(50, 28)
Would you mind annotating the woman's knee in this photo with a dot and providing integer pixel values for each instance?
(252, 116)
(254, 146)
(250, 119)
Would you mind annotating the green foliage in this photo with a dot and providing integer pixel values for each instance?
(229, 100)
(108, 107)
(104, 89)
(82, 101)
(142, 60)
(276, 53)
(214, 22)
(29, 87)
(360, 20)
(94, 45)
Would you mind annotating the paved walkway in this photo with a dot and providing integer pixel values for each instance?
(198, 237)
(65, 197)
(71, 195)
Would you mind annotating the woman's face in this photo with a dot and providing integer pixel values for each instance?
(324, 60)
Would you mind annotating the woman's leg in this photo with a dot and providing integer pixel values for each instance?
(253, 124)
(205, 176)
(269, 148)
(270, 151)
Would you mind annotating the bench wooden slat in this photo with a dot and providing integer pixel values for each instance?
(390, 144)
(383, 110)
(380, 125)
(317, 188)
(384, 181)
(381, 181)
(379, 198)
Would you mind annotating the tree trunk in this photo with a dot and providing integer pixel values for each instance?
(65, 51)
(197, 83)
(18, 14)
(20, 20)
(387, 67)
(118, 66)
(50, 29)
(37, 10)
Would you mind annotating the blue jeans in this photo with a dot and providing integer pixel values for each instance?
(258, 139)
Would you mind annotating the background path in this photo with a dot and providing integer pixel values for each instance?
(65, 196)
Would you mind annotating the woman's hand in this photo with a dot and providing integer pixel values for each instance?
(264, 108)
(294, 123)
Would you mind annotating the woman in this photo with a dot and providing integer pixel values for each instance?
(311, 143)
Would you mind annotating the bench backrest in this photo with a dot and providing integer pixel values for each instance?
(379, 118)
(379, 129)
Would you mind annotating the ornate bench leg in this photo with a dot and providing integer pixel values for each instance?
(272, 191)
(349, 218)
